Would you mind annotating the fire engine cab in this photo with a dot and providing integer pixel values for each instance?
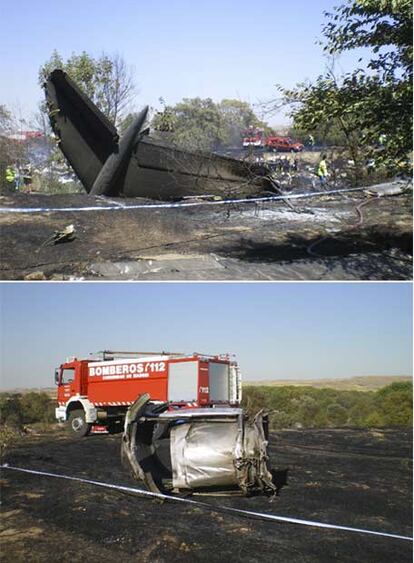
(96, 393)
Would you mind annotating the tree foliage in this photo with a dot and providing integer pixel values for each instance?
(385, 26)
(11, 152)
(309, 407)
(397, 394)
(106, 79)
(371, 106)
(6, 147)
(202, 124)
(18, 409)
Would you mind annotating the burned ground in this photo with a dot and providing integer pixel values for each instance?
(323, 238)
(358, 478)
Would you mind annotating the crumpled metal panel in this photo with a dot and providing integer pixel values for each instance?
(212, 450)
(252, 465)
(203, 454)
(220, 454)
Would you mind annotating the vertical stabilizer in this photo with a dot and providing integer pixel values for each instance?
(86, 137)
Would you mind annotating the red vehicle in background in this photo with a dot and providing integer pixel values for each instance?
(255, 137)
(283, 144)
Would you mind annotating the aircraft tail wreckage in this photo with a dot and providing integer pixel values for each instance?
(137, 165)
(216, 450)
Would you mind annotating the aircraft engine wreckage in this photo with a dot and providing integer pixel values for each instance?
(137, 165)
(212, 450)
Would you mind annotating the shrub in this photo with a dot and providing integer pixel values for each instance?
(37, 407)
(311, 407)
(11, 411)
(17, 410)
(8, 437)
(336, 414)
(395, 404)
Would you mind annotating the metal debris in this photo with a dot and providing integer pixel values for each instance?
(137, 165)
(197, 449)
(67, 234)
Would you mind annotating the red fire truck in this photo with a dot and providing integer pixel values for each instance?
(96, 393)
(255, 137)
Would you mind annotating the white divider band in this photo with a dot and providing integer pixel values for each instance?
(122, 206)
(264, 515)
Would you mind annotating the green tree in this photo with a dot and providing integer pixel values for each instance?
(235, 117)
(106, 79)
(308, 411)
(337, 415)
(369, 103)
(395, 404)
(11, 152)
(10, 410)
(201, 124)
(319, 408)
(37, 407)
(6, 146)
(376, 24)
(195, 123)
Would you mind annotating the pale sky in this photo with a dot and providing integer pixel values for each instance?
(276, 330)
(177, 48)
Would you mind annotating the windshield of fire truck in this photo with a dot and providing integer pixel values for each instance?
(68, 375)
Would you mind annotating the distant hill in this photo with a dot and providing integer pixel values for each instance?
(365, 383)
(51, 391)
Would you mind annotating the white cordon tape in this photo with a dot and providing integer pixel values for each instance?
(175, 205)
(264, 516)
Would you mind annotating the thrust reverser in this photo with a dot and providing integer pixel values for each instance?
(196, 449)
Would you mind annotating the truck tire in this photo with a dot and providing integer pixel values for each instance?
(77, 424)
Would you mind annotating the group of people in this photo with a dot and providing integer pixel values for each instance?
(289, 166)
(284, 164)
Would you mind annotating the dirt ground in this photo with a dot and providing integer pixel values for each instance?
(323, 238)
(358, 478)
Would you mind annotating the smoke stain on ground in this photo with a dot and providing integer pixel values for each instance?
(359, 478)
(229, 242)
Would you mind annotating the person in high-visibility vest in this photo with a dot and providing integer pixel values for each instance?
(322, 170)
(11, 176)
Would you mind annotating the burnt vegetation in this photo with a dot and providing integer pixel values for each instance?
(350, 477)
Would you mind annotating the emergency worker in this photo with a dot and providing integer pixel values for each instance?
(322, 171)
(11, 176)
(311, 142)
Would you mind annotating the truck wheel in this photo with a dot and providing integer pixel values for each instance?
(77, 424)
